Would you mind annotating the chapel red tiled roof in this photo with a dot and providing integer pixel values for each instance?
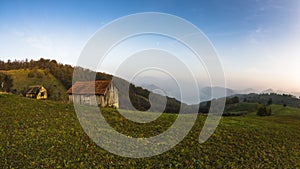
(90, 87)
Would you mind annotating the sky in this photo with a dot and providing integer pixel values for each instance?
(257, 41)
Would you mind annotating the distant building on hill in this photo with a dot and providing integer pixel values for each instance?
(37, 92)
(100, 92)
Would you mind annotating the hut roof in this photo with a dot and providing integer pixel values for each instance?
(33, 90)
(98, 87)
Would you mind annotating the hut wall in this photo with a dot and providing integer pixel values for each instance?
(42, 94)
(110, 98)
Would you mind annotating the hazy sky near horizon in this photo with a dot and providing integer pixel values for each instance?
(257, 40)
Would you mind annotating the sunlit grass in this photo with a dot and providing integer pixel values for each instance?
(47, 134)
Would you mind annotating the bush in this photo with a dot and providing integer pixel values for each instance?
(30, 74)
(233, 100)
(6, 82)
(39, 75)
(35, 73)
(264, 111)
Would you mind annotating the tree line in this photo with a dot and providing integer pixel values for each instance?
(62, 72)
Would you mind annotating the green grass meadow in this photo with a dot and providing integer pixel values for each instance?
(47, 134)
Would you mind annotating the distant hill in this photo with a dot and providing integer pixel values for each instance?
(268, 91)
(245, 91)
(279, 99)
(209, 93)
(23, 78)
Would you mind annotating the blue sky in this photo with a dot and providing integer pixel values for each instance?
(257, 40)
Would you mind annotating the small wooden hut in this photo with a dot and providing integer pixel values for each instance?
(37, 92)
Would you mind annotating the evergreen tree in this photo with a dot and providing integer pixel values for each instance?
(270, 101)
(264, 111)
(5, 82)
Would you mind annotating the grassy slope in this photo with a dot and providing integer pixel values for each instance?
(21, 82)
(47, 134)
(241, 108)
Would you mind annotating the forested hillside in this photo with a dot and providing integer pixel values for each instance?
(273, 98)
(31, 72)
